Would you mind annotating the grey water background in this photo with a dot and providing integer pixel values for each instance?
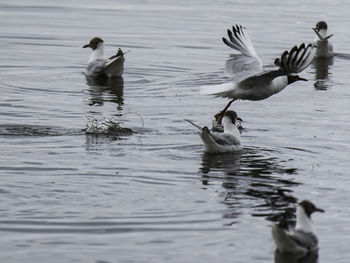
(68, 195)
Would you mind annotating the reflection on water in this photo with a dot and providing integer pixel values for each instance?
(100, 130)
(103, 89)
(312, 257)
(322, 66)
(251, 175)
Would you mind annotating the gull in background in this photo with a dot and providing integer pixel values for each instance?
(228, 141)
(98, 66)
(249, 81)
(302, 239)
(324, 47)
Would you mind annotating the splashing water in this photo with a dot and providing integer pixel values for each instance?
(105, 127)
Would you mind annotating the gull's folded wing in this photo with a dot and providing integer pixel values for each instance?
(96, 67)
(225, 139)
(307, 240)
(284, 241)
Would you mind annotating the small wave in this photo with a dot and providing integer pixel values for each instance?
(34, 130)
(342, 56)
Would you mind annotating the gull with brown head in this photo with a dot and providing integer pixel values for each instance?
(324, 46)
(99, 66)
(301, 239)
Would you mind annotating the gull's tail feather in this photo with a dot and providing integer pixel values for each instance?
(284, 241)
(209, 143)
(297, 59)
(221, 90)
(240, 41)
(115, 67)
(195, 125)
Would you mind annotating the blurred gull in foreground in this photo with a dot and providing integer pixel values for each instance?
(301, 240)
(324, 47)
(98, 66)
(249, 81)
(228, 141)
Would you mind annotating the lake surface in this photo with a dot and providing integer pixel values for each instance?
(74, 189)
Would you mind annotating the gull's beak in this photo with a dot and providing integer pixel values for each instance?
(327, 37)
(299, 78)
(87, 45)
(238, 118)
(319, 210)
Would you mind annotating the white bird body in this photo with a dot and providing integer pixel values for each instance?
(228, 141)
(324, 47)
(249, 82)
(304, 223)
(97, 53)
(99, 66)
(302, 239)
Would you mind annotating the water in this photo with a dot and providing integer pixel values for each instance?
(77, 185)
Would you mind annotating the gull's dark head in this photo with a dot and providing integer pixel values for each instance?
(309, 207)
(94, 43)
(232, 115)
(321, 25)
(294, 78)
(321, 30)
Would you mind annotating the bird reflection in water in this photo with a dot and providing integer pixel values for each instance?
(103, 89)
(322, 75)
(101, 130)
(251, 175)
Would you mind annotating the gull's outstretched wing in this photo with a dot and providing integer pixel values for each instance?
(248, 63)
(240, 66)
(297, 59)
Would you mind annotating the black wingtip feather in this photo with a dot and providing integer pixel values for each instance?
(296, 59)
(292, 54)
(235, 32)
(277, 62)
(229, 33)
